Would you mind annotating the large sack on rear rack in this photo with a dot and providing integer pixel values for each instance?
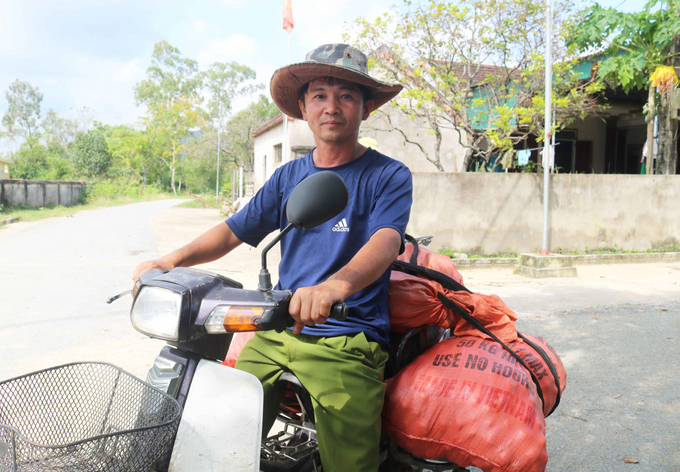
(547, 367)
(414, 301)
(469, 401)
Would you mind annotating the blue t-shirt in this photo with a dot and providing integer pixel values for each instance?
(380, 191)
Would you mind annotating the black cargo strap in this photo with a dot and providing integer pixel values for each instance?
(550, 365)
(450, 284)
(414, 256)
(442, 279)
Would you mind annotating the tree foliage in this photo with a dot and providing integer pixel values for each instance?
(176, 140)
(59, 132)
(91, 155)
(476, 67)
(224, 82)
(635, 48)
(633, 44)
(171, 93)
(23, 113)
(236, 144)
(238, 139)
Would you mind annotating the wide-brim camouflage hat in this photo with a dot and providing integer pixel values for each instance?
(330, 60)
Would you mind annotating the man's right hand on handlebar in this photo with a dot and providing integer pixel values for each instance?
(312, 305)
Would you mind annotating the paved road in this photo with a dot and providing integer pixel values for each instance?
(623, 390)
(55, 276)
(617, 327)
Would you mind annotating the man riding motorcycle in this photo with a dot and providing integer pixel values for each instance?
(347, 259)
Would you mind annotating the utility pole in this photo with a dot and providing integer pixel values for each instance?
(284, 148)
(547, 125)
(219, 145)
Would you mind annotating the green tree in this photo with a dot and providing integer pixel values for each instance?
(91, 155)
(60, 132)
(171, 95)
(476, 67)
(238, 138)
(634, 46)
(225, 82)
(135, 150)
(30, 162)
(23, 113)
(237, 147)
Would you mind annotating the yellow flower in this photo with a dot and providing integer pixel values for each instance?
(664, 78)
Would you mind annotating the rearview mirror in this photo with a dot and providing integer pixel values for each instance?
(317, 199)
(312, 202)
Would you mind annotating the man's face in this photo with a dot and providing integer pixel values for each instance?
(334, 109)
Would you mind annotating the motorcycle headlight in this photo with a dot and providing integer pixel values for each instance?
(156, 312)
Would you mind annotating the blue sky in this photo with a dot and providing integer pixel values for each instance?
(91, 53)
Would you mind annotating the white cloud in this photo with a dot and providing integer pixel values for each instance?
(106, 86)
(199, 26)
(319, 23)
(238, 46)
(231, 3)
(14, 36)
(130, 72)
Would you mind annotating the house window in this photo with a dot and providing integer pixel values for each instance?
(6, 169)
(278, 154)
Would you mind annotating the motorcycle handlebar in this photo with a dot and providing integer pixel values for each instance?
(339, 311)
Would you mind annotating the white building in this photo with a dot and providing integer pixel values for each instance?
(269, 152)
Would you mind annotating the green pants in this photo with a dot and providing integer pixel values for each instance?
(344, 376)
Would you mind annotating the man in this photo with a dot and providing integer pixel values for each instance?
(347, 259)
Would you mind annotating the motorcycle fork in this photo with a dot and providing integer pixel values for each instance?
(172, 372)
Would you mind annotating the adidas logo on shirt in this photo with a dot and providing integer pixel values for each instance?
(341, 226)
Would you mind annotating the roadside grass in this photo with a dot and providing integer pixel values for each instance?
(51, 211)
(202, 201)
(453, 254)
(612, 250)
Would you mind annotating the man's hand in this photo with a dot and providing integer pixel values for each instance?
(146, 266)
(208, 247)
(312, 305)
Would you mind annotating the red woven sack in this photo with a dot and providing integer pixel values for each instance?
(413, 301)
(467, 400)
(432, 260)
(551, 375)
(238, 342)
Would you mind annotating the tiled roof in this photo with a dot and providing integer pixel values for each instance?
(277, 120)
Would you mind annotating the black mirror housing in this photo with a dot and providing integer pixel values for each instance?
(317, 199)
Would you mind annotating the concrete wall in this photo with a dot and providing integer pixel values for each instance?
(40, 193)
(501, 213)
(392, 143)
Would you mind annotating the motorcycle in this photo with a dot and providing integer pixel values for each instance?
(198, 312)
(220, 428)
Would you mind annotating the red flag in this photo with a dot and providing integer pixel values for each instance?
(287, 16)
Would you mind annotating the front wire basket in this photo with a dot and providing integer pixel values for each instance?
(83, 417)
